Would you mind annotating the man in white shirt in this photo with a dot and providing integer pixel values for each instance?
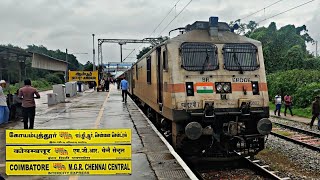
(4, 110)
(277, 102)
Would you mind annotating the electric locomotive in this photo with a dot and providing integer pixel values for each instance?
(206, 89)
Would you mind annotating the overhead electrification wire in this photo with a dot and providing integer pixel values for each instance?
(175, 5)
(286, 11)
(175, 17)
(165, 17)
(128, 55)
(261, 10)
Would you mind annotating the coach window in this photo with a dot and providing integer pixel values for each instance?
(165, 60)
(149, 70)
(137, 71)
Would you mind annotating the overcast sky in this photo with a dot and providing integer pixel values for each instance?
(61, 24)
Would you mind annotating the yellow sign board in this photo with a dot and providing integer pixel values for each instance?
(69, 168)
(84, 76)
(68, 153)
(66, 136)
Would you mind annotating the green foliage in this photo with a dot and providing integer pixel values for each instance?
(305, 94)
(244, 29)
(88, 66)
(11, 72)
(302, 112)
(300, 84)
(53, 79)
(294, 58)
(143, 52)
(74, 63)
(311, 63)
(284, 48)
(41, 85)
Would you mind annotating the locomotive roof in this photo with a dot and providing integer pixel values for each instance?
(197, 35)
(222, 38)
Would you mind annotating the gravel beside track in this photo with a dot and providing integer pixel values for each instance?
(304, 158)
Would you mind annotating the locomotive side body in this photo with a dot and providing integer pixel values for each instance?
(207, 91)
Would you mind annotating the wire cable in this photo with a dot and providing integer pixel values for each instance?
(175, 17)
(286, 11)
(261, 9)
(129, 55)
(165, 17)
(175, 5)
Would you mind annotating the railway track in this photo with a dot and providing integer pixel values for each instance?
(299, 136)
(248, 169)
(245, 169)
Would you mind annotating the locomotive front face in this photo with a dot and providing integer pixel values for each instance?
(225, 97)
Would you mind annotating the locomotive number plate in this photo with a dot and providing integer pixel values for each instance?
(205, 79)
(240, 79)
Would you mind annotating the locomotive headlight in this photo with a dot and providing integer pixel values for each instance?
(219, 88)
(226, 87)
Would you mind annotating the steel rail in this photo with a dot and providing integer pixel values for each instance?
(309, 146)
(298, 130)
(263, 169)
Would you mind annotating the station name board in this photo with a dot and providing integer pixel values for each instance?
(68, 152)
(83, 76)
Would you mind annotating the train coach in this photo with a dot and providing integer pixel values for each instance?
(206, 89)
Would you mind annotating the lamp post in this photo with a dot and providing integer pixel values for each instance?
(94, 61)
(66, 75)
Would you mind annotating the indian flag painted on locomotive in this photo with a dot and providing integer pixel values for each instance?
(204, 87)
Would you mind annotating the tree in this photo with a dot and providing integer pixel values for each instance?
(88, 66)
(284, 48)
(143, 52)
(73, 62)
(243, 28)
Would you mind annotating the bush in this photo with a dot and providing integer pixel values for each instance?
(290, 81)
(53, 79)
(305, 94)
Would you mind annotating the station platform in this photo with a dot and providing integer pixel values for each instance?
(152, 156)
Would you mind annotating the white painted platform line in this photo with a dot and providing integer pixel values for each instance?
(2, 165)
(172, 151)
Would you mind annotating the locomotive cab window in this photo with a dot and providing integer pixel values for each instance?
(240, 57)
(149, 70)
(199, 57)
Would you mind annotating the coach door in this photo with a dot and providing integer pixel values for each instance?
(159, 78)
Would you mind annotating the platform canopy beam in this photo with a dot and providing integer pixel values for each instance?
(152, 41)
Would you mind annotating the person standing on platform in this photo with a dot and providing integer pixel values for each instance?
(288, 104)
(118, 83)
(102, 84)
(27, 93)
(277, 102)
(4, 110)
(107, 84)
(315, 112)
(15, 106)
(124, 88)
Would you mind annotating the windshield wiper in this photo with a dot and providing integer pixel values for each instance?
(205, 62)
(237, 61)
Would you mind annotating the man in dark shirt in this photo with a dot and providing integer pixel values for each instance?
(315, 111)
(29, 106)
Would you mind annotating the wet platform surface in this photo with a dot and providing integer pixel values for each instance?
(151, 158)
